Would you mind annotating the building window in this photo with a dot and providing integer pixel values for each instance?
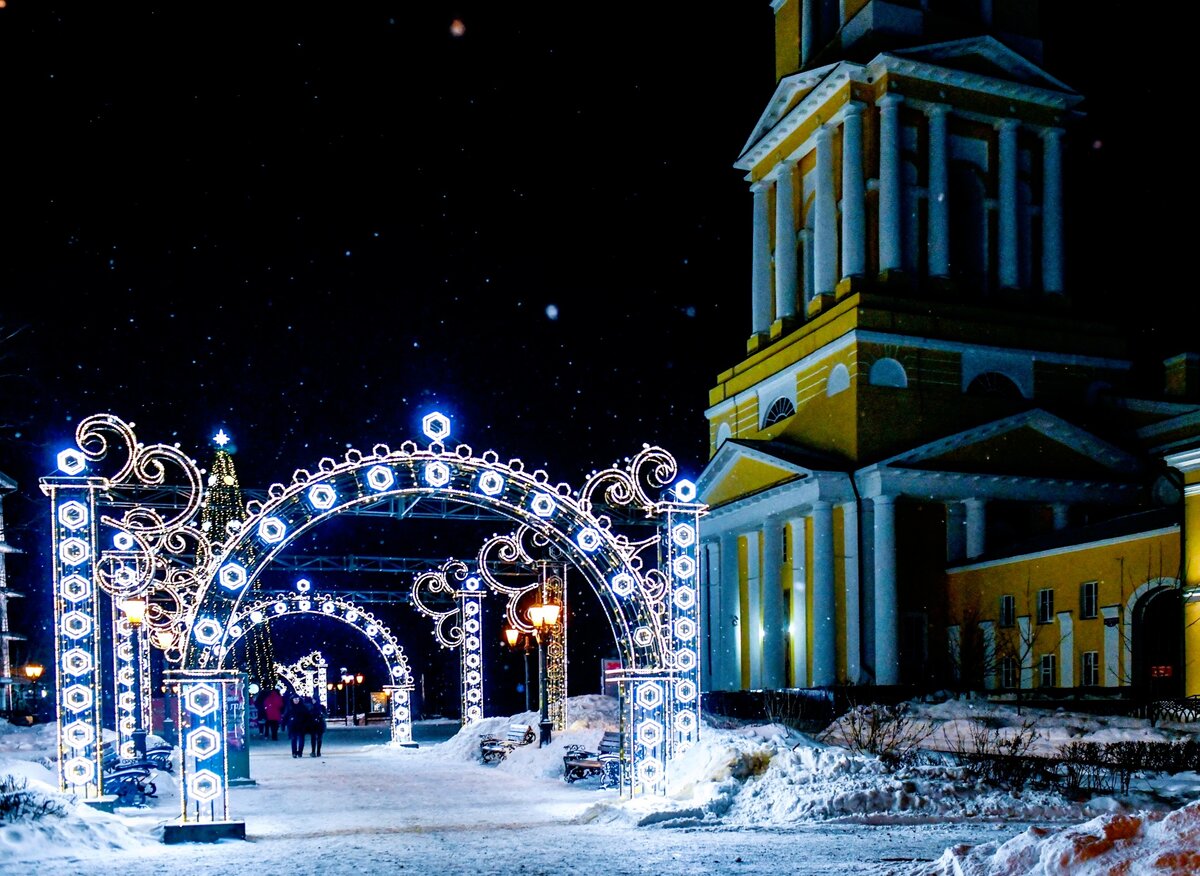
(779, 411)
(1008, 610)
(1091, 669)
(839, 380)
(1047, 677)
(993, 384)
(888, 372)
(1045, 606)
(1087, 599)
(1008, 672)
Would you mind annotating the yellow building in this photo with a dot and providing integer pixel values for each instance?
(929, 469)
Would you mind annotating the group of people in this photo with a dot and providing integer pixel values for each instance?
(300, 716)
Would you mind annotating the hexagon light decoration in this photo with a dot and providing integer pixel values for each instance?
(71, 462)
(436, 427)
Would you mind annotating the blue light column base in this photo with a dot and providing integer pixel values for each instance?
(203, 831)
(107, 803)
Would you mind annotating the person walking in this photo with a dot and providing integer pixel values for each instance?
(317, 726)
(296, 718)
(273, 710)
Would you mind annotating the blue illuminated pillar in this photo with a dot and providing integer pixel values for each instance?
(76, 626)
(470, 605)
(681, 540)
(400, 697)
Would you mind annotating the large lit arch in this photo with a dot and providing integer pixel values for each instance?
(646, 584)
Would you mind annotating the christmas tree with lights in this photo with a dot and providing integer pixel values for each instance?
(223, 505)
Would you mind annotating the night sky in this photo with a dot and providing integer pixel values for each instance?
(312, 224)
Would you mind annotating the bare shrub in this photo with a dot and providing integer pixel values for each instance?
(1000, 756)
(888, 732)
(19, 803)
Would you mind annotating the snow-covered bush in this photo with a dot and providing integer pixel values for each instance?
(888, 732)
(19, 803)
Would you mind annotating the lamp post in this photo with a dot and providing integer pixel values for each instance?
(135, 611)
(32, 671)
(513, 636)
(544, 618)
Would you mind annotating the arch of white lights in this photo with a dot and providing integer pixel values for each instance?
(400, 686)
(648, 586)
(307, 676)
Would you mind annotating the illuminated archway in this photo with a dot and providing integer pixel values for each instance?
(400, 682)
(647, 585)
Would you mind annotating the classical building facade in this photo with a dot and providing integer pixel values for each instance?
(930, 468)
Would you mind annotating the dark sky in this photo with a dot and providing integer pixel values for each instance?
(311, 224)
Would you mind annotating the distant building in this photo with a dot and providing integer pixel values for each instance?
(7, 690)
(931, 468)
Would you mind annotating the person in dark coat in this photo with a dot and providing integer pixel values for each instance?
(272, 707)
(296, 718)
(317, 726)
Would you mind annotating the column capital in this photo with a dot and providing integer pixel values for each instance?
(1052, 133)
(890, 100)
(760, 186)
(782, 168)
(854, 107)
(883, 500)
(937, 110)
(1004, 125)
(825, 132)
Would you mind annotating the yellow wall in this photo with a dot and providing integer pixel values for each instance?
(787, 39)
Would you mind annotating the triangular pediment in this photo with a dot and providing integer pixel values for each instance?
(1034, 444)
(788, 94)
(741, 468)
(984, 56)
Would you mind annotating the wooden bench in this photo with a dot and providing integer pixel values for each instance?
(605, 761)
(493, 749)
(129, 780)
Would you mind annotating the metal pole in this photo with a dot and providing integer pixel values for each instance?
(139, 732)
(545, 724)
(526, 673)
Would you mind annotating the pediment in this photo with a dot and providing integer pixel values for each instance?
(741, 468)
(1034, 444)
(984, 56)
(788, 94)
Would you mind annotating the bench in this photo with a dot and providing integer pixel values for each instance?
(605, 761)
(129, 780)
(493, 749)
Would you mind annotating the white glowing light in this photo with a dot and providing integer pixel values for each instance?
(74, 551)
(123, 541)
(204, 786)
(303, 585)
(649, 695)
(77, 661)
(207, 631)
(490, 483)
(685, 490)
(232, 576)
(272, 530)
(78, 698)
(622, 584)
(73, 515)
(71, 462)
(543, 505)
(588, 539)
(437, 474)
(322, 497)
(76, 624)
(79, 771)
(201, 700)
(76, 587)
(256, 617)
(203, 742)
(683, 535)
(436, 426)
(685, 597)
(684, 567)
(220, 439)
(685, 629)
(380, 477)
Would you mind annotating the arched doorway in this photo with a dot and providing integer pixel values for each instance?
(1157, 643)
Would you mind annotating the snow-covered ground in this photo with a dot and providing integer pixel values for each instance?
(748, 799)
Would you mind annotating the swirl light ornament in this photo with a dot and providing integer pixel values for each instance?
(308, 676)
(454, 600)
(600, 530)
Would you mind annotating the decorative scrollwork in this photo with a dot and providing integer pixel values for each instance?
(437, 586)
(651, 468)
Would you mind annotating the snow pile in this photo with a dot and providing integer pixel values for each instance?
(1141, 843)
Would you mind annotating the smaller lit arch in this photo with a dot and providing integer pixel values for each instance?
(993, 384)
(888, 372)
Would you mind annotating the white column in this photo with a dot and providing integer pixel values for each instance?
(798, 622)
(976, 527)
(710, 607)
(760, 266)
(825, 224)
(1052, 211)
(866, 583)
(987, 631)
(785, 244)
(887, 601)
(890, 255)
(824, 621)
(730, 675)
(956, 532)
(850, 573)
(774, 665)
(753, 621)
(939, 194)
(1024, 640)
(807, 32)
(1060, 510)
(1112, 673)
(806, 245)
(854, 215)
(1066, 650)
(1009, 271)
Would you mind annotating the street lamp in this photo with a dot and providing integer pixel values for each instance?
(32, 671)
(513, 636)
(134, 610)
(544, 618)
